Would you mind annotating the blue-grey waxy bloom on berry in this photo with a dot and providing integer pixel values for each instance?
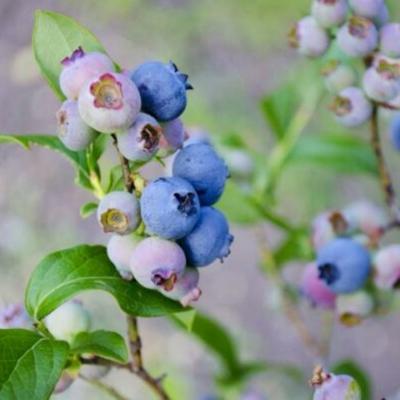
(170, 207)
(338, 76)
(157, 263)
(358, 37)
(344, 265)
(200, 164)
(173, 135)
(162, 88)
(309, 38)
(351, 107)
(141, 141)
(390, 40)
(394, 131)
(109, 102)
(209, 240)
(72, 130)
(118, 212)
(79, 67)
(367, 8)
(381, 81)
(330, 13)
(328, 386)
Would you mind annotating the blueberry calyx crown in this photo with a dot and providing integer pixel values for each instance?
(76, 54)
(328, 272)
(150, 137)
(186, 204)
(319, 377)
(107, 92)
(358, 27)
(181, 76)
(341, 106)
(114, 220)
(294, 40)
(164, 278)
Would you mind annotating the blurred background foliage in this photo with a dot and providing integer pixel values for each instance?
(246, 81)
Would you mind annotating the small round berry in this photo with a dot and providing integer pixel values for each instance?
(14, 316)
(381, 81)
(173, 135)
(200, 164)
(79, 68)
(109, 102)
(367, 217)
(239, 163)
(68, 320)
(315, 290)
(162, 88)
(382, 18)
(367, 8)
(119, 251)
(354, 307)
(93, 372)
(330, 13)
(72, 130)
(65, 381)
(390, 40)
(141, 141)
(344, 265)
(186, 289)
(118, 212)
(157, 263)
(358, 37)
(338, 76)
(209, 240)
(328, 386)
(394, 131)
(387, 267)
(309, 38)
(351, 107)
(170, 207)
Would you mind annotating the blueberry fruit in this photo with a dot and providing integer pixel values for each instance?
(330, 13)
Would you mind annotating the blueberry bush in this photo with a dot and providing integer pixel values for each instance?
(163, 232)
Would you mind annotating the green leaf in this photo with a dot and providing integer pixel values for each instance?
(56, 36)
(279, 107)
(340, 152)
(109, 345)
(88, 209)
(185, 318)
(349, 367)
(64, 274)
(30, 364)
(237, 206)
(296, 246)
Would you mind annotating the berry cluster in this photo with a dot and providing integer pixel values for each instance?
(346, 30)
(351, 266)
(164, 231)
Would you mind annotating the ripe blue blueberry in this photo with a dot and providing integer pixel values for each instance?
(200, 164)
(330, 13)
(344, 265)
(109, 102)
(170, 207)
(358, 37)
(390, 40)
(309, 38)
(367, 8)
(72, 130)
(118, 212)
(338, 76)
(79, 68)
(141, 141)
(394, 131)
(162, 88)
(351, 107)
(157, 263)
(209, 240)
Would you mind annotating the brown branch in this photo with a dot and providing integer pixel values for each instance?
(135, 343)
(385, 178)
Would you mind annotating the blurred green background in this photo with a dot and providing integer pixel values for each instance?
(235, 52)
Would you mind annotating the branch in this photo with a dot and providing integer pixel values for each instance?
(135, 342)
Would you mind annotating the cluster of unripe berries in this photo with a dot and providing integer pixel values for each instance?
(346, 30)
(163, 233)
(351, 266)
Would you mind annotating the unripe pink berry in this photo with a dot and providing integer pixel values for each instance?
(173, 135)
(387, 267)
(118, 212)
(309, 38)
(330, 13)
(72, 130)
(109, 102)
(354, 307)
(157, 263)
(315, 290)
(186, 289)
(141, 141)
(79, 68)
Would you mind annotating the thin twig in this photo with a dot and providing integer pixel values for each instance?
(105, 388)
(128, 182)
